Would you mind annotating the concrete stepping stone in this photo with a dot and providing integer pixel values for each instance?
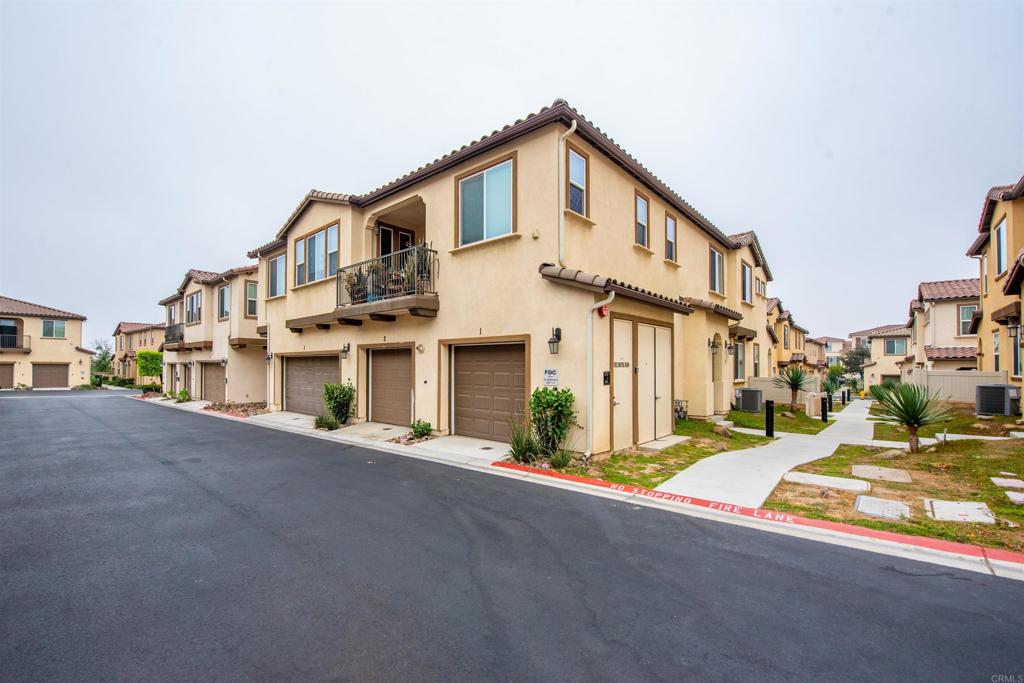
(1017, 435)
(955, 511)
(1008, 474)
(1008, 483)
(882, 507)
(882, 473)
(1016, 497)
(664, 442)
(824, 481)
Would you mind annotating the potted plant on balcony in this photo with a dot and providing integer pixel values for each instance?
(409, 275)
(355, 284)
(422, 258)
(373, 281)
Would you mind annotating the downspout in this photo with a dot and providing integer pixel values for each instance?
(561, 193)
(590, 371)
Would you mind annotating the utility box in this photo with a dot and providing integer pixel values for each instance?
(749, 400)
(997, 399)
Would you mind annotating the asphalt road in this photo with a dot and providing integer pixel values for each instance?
(140, 543)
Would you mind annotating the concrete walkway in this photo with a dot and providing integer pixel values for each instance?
(747, 477)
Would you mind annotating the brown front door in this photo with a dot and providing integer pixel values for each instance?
(50, 376)
(188, 379)
(7, 376)
(213, 382)
(489, 389)
(391, 386)
(304, 380)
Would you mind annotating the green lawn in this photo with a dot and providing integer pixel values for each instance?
(960, 422)
(652, 469)
(799, 424)
(958, 471)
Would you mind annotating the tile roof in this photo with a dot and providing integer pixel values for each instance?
(969, 288)
(203, 277)
(1015, 277)
(742, 239)
(871, 330)
(892, 331)
(713, 307)
(773, 303)
(10, 306)
(591, 281)
(951, 352)
(997, 194)
(135, 327)
(240, 270)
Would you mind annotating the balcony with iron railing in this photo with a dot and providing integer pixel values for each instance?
(378, 288)
(174, 333)
(15, 343)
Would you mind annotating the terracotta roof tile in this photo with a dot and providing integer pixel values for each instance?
(894, 331)
(951, 352)
(969, 288)
(773, 303)
(203, 277)
(10, 306)
(742, 239)
(712, 307)
(135, 327)
(592, 281)
(872, 330)
(1016, 275)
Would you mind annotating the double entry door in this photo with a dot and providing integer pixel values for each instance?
(641, 382)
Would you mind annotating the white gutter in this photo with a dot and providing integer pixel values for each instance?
(590, 371)
(561, 193)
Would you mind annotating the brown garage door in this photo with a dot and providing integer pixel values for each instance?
(489, 389)
(213, 382)
(7, 376)
(50, 376)
(304, 380)
(391, 386)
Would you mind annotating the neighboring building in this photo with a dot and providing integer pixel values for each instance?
(41, 347)
(815, 356)
(940, 322)
(211, 345)
(997, 322)
(862, 338)
(442, 294)
(789, 339)
(129, 339)
(889, 347)
(834, 348)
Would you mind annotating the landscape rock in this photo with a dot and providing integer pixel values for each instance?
(983, 417)
(892, 453)
(722, 431)
(978, 425)
(931, 450)
(786, 413)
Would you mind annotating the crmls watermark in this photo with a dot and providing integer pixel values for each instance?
(1007, 678)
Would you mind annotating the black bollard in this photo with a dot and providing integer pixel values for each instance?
(830, 403)
(842, 396)
(824, 409)
(769, 418)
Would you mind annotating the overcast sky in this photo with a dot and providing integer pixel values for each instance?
(857, 139)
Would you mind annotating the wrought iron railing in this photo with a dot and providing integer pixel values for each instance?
(15, 341)
(174, 333)
(401, 273)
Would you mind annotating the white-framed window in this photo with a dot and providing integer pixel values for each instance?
(275, 276)
(332, 250)
(966, 313)
(740, 361)
(1016, 353)
(746, 275)
(785, 336)
(670, 237)
(577, 181)
(172, 314)
(194, 307)
(995, 351)
(1000, 242)
(300, 262)
(716, 267)
(53, 329)
(485, 204)
(984, 273)
(223, 302)
(757, 360)
(641, 217)
(251, 290)
(896, 347)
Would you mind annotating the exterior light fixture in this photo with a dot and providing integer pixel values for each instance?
(713, 345)
(345, 350)
(730, 348)
(223, 362)
(269, 358)
(556, 337)
(1013, 328)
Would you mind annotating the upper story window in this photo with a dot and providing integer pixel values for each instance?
(785, 336)
(193, 307)
(966, 313)
(316, 255)
(670, 237)
(487, 203)
(746, 274)
(995, 351)
(251, 291)
(577, 181)
(716, 267)
(1000, 240)
(641, 218)
(131, 338)
(53, 329)
(984, 273)
(172, 314)
(223, 302)
(275, 276)
(759, 286)
(895, 347)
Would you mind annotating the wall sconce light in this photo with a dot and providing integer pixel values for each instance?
(1013, 328)
(713, 345)
(269, 358)
(345, 350)
(223, 362)
(420, 348)
(556, 337)
(191, 363)
(730, 348)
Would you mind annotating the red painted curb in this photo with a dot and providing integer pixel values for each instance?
(783, 517)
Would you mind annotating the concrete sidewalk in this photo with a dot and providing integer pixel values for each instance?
(747, 477)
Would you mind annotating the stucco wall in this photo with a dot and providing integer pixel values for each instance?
(45, 350)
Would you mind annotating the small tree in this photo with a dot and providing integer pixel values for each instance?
(794, 378)
(911, 406)
(552, 415)
(104, 355)
(854, 359)
(836, 371)
(150, 363)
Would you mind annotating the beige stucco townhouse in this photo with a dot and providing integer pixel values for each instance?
(129, 339)
(888, 344)
(211, 347)
(539, 255)
(41, 347)
(999, 243)
(790, 340)
(940, 322)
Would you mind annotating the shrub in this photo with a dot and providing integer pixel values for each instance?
(552, 415)
(339, 399)
(96, 380)
(152, 389)
(85, 386)
(909, 405)
(183, 396)
(421, 429)
(561, 458)
(327, 422)
(522, 446)
(150, 363)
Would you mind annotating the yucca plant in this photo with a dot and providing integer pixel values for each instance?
(830, 385)
(911, 406)
(794, 378)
